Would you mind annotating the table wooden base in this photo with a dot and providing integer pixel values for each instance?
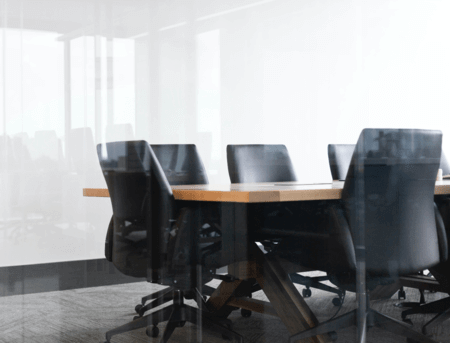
(285, 300)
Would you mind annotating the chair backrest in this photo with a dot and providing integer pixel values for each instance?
(388, 199)
(339, 157)
(143, 207)
(181, 164)
(259, 163)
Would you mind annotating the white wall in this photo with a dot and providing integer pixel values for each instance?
(304, 73)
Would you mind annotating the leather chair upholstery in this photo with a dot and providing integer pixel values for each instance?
(339, 157)
(387, 207)
(182, 165)
(154, 238)
(441, 272)
(259, 163)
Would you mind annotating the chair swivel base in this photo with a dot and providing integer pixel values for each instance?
(177, 314)
(402, 295)
(157, 299)
(161, 297)
(315, 282)
(441, 307)
(374, 318)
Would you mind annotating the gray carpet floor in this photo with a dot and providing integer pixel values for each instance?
(84, 315)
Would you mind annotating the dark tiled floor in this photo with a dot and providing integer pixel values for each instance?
(84, 315)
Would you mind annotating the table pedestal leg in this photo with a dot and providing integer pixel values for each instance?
(285, 300)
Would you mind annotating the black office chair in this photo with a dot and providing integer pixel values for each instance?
(259, 163)
(182, 165)
(271, 163)
(444, 165)
(441, 272)
(339, 157)
(154, 237)
(387, 209)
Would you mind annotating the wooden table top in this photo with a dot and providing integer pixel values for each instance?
(259, 192)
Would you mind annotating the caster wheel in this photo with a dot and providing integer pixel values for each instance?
(333, 336)
(246, 313)
(401, 295)
(306, 293)
(152, 332)
(181, 324)
(337, 302)
(138, 308)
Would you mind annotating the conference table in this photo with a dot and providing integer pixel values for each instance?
(243, 257)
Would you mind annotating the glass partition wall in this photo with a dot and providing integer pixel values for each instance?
(78, 73)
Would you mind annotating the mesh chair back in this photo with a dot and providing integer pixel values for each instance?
(339, 157)
(259, 163)
(388, 199)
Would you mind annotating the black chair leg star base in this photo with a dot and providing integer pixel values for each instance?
(152, 319)
(152, 296)
(441, 307)
(439, 318)
(177, 315)
(413, 304)
(438, 306)
(155, 303)
(314, 282)
(159, 298)
(374, 318)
